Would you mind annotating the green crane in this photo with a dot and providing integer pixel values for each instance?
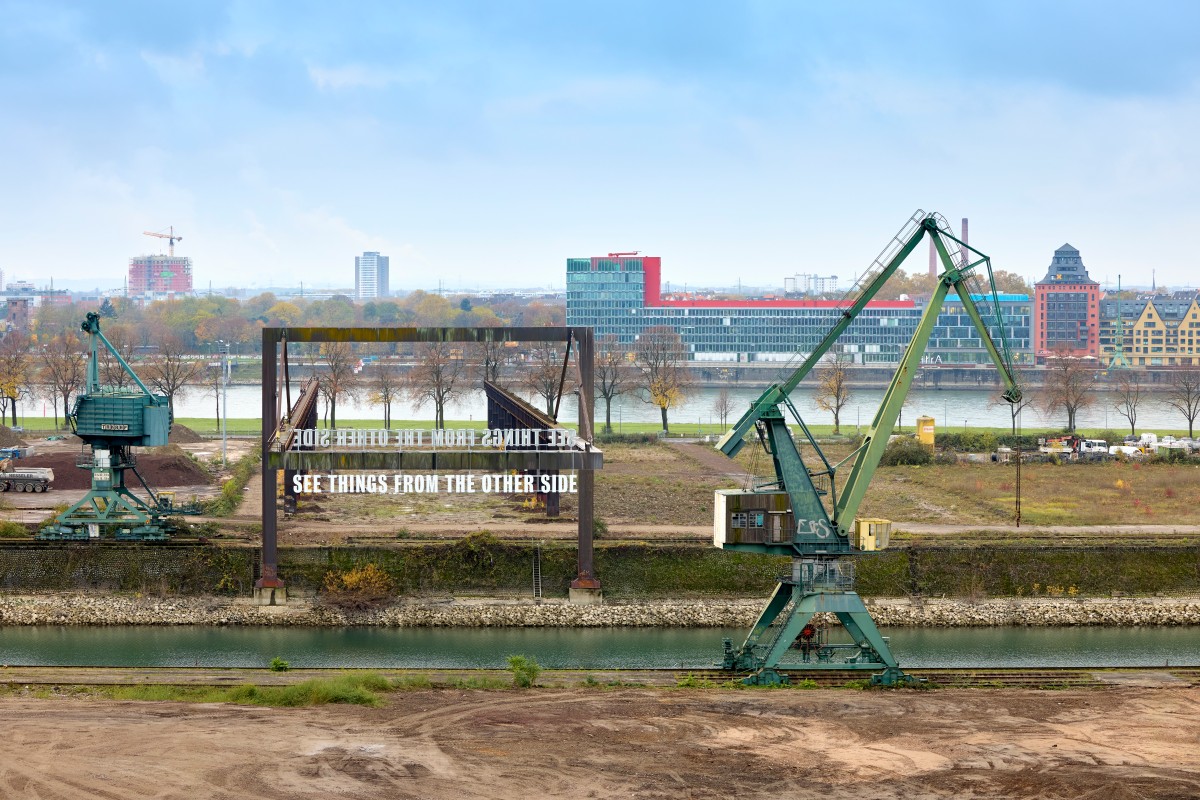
(807, 512)
(112, 422)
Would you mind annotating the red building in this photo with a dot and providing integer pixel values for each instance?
(1066, 316)
(159, 277)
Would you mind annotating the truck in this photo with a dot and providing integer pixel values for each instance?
(25, 479)
(1073, 447)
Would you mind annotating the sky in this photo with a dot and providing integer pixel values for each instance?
(481, 144)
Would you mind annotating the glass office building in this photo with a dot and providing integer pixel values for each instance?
(621, 295)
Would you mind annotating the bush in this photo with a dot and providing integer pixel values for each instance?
(13, 530)
(905, 452)
(279, 665)
(525, 671)
(358, 588)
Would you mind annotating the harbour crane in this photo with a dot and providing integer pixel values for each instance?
(170, 237)
(808, 512)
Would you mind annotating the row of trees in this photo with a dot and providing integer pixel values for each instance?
(1072, 385)
(197, 322)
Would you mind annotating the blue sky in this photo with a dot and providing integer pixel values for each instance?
(483, 143)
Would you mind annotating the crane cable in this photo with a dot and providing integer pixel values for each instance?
(1020, 437)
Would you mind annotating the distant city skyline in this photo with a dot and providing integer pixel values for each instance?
(481, 144)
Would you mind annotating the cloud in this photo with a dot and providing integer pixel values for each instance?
(360, 76)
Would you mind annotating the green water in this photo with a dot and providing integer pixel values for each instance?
(587, 648)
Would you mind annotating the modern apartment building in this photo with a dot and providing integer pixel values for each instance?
(620, 295)
(1158, 330)
(370, 276)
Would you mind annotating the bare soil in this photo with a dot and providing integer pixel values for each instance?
(171, 469)
(584, 743)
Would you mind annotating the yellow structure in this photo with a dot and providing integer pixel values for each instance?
(1158, 337)
(925, 431)
(872, 534)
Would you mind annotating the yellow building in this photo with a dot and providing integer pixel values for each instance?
(1165, 334)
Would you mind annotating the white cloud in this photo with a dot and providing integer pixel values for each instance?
(359, 76)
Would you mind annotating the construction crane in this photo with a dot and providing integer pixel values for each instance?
(170, 237)
(807, 513)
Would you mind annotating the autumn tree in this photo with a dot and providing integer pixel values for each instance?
(172, 369)
(1184, 395)
(63, 370)
(543, 376)
(1128, 395)
(612, 373)
(833, 390)
(665, 378)
(437, 378)
(723, 405)
(338, 380)
(16, 369)
(1069, 385)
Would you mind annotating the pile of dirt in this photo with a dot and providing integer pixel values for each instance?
(10, 439)
(160, 471)
(182, 434)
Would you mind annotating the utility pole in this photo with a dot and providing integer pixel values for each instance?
(224, 400)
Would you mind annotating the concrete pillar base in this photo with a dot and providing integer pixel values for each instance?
(270, 595)
(586, 596)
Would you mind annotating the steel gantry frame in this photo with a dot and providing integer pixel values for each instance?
(584, 457)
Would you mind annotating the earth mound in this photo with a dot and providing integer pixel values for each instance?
(160, 471)
(182, 434)
(9, 439)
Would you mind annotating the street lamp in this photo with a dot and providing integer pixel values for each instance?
(224, 349)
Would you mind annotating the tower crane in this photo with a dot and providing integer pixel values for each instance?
(170, 237)
(807, 512)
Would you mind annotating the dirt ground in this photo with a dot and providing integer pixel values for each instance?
(584, 743)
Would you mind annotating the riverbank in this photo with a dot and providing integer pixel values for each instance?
(117, 609)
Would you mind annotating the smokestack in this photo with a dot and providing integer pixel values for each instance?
(965, 255)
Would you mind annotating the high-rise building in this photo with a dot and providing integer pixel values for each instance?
(159, 277)
(1066, 319)
(370, 276)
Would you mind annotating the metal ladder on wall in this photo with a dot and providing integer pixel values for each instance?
(537, 572)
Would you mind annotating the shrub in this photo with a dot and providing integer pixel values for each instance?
(279, 665)
(599, 527)
(525, 671)
(905, 452)
(358, 588)
(13, 530)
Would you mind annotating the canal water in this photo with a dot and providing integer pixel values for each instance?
(557, 648)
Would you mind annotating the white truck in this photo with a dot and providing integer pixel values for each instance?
(27, 479)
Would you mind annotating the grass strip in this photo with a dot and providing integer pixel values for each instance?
(234, 489)
(359, 690)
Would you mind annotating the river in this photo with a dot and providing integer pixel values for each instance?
(585, 648)
(953, 410)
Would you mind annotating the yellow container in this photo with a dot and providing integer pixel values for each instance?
(872, 534)
(925, 431)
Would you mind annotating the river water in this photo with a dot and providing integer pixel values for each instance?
(584, 648)
(953, 410)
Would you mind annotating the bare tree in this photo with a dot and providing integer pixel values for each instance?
(172, 369)
(15, 369)
(723, 405)
(833, 390)
(435, 378)
(212, 377)
(384, 387)
(544, 375)
(665, 377)
(111, 372)
(338, 380)
(1014, 409)
(1184, 396)
(489, 357)
(1128, 394)
(612, 374)
(63, 370)
(1069, 386)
